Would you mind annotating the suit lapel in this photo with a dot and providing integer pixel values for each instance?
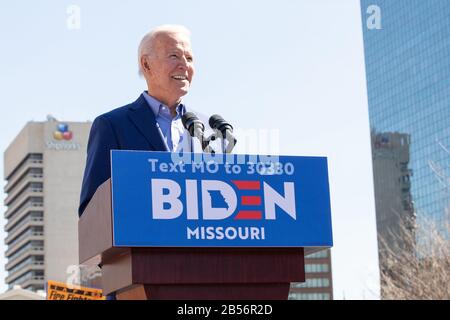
(144, 119)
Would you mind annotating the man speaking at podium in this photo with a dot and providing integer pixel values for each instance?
(153, 121)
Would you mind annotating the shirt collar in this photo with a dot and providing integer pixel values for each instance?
(157, 106)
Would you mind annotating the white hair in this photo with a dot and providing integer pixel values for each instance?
(146, 45)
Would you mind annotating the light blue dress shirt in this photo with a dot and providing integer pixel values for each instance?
(171, 127)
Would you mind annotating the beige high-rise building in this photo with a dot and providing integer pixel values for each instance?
(43, 167)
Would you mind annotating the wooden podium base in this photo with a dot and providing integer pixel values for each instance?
(276, 291)
(203, 273)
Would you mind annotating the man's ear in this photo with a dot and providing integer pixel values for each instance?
(144, 64)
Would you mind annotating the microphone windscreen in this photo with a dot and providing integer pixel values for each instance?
(215, 121)
(188, 118)
(219, 123)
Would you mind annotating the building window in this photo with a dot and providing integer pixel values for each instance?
(316, 267)
(318, 255)
(312, 283)
(309, 296)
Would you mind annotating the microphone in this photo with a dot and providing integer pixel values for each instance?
(193, 125)
(220, 124)
(196, 129)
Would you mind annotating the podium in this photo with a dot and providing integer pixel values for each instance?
(165, 232)
(183, 273)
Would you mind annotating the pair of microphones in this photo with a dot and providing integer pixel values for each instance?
(222, 131)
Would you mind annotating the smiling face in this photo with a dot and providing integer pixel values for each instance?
(169, 67)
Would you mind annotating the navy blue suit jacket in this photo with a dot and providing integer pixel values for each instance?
(132, 127)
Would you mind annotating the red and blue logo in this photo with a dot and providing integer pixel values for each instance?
(249, 200)
(62, 132)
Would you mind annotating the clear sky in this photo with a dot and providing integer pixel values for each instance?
(294, 66)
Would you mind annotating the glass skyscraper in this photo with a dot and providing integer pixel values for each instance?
(407, 56)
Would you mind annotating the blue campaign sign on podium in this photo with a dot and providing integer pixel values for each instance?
(202, 200)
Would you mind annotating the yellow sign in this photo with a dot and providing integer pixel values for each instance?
(63, 291)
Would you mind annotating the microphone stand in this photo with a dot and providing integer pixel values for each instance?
(227, 143)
